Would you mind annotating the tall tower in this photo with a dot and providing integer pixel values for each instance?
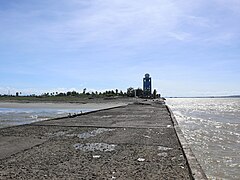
(147, 85)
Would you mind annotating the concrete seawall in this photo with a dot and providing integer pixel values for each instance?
(137, 141)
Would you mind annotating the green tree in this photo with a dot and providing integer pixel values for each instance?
(130, 92)
(139, 92)
(121, 93)
(154, 93)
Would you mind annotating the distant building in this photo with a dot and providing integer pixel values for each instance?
(147, 86)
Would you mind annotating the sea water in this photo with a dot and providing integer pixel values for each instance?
(212, 128)
(12, 114)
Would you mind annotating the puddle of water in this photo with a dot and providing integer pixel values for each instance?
(95, 147)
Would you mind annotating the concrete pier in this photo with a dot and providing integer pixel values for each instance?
(137, 141)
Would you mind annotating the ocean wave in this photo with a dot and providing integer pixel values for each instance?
(212, 129)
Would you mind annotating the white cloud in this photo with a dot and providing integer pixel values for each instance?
(223, 38)
(181, 36)
(115, 23)
(199, 21)
(119, 22)
(232, 5)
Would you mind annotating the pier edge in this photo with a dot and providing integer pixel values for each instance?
(193, 164)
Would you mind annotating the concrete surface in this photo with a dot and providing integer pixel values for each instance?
(137, 141)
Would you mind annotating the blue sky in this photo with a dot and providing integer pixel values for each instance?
(189, 47)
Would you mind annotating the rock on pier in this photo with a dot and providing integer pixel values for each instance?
(136, 141)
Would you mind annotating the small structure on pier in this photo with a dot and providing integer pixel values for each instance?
(147, 86)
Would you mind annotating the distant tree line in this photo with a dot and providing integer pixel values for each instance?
(131, 92)
(107, 93)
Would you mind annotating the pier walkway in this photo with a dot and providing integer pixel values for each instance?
(137, 141)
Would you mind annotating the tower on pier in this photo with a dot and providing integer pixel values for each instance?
(147, 86)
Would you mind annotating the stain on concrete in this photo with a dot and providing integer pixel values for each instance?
(93, 133)
(162, 148)
(95, 147)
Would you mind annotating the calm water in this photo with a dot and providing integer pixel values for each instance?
(18, 116)
(12, 114)
(212, 128)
